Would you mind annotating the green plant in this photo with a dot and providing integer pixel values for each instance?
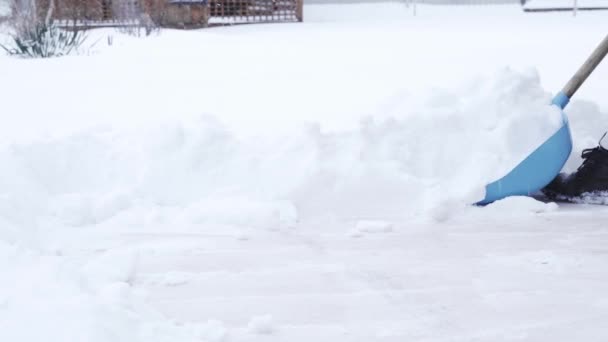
(43, 40)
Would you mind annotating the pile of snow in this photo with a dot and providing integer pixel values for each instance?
(418, 154)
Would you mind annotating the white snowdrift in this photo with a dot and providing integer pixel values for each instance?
(418, 154)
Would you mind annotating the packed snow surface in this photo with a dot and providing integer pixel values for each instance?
(300, 181)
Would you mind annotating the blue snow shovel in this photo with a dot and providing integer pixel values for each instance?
(545, 163)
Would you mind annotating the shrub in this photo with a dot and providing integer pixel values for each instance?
(44, 40)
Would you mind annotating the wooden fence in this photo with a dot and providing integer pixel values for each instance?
(171, 13)
(251, 11)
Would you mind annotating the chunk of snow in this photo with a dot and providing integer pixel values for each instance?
(212, 331)
(110, 266)
(521, 204)
(243, 237)
(176, 278)
(374, 226)
(261, 325)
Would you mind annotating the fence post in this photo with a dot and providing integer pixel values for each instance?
(575, 8)
(300, 10)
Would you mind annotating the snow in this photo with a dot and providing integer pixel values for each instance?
(43, 297)
(4, 8)
(516, 204)
(261, 325)
(300, 181)
(369, 226)
(534, 4)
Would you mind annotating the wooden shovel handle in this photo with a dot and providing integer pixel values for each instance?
(586, 69)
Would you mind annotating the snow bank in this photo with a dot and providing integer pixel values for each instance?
(418, 154)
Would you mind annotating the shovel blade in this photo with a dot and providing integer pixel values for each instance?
(539, 168)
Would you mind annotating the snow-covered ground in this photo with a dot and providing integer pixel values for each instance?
(540, 4)
(294, 182)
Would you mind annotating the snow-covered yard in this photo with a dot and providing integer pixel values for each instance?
(298, 182)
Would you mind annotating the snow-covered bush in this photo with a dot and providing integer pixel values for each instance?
(34, 37)
(44, 40)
